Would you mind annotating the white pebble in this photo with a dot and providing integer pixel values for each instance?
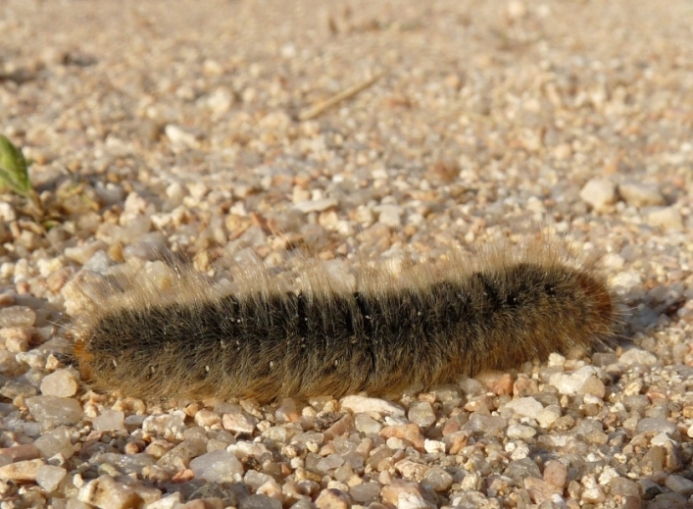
(179, 137)
(7, 213)
(110, 420)
(556, 359)
(599, 193)
(361, 404)
(525, 407)
(434, 446)
(520, 431)
(217, 467)
(662, 439)
(84, 252)
(623, 282)
(583, 381)
(239, 422)
(637, 356)
(60, 383)
(307, 206)
(366, 424)
(168, 426)
(548, 415)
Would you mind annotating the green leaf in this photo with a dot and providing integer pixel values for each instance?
(13, 169)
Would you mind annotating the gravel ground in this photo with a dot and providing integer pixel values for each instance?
(190, 126)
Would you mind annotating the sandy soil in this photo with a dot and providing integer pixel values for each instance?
(201, 127)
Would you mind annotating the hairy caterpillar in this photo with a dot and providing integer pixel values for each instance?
(380, 333)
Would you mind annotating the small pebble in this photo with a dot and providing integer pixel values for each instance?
(57, 441)
(405, 495)
(434, 446)
(641, 195)
(361, 404)
(239, 422)
(627, 281)
(60, 383)
(667, 218)
(422, 414)
(583, 381)
(366, 424)
(637, 356)
(599, 193)
(84, 252)
(549, 415)
(333, 499)
(321, 205)
(679, 484)
(556, 473)
(409, 432)
(520, 431)
(217, 467)
(180, 137)
(17, 316)
(365, 492)
(49, 477)
(624, 487)
(21, 471)
(107, 493)
(21, 452)
(260, 502)
(207, 418)
(524, 407)
(54, 411)
(156, 149)
(110, 420)
(390, 215)
(17, 339)
(656, 424)
(438, 479)
(540, 491)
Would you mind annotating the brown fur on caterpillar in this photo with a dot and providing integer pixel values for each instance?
(428, 325)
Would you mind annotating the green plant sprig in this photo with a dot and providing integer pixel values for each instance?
(14, 172)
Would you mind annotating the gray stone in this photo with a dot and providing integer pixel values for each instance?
(679, 484)
(656, 424)
(260, 502)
